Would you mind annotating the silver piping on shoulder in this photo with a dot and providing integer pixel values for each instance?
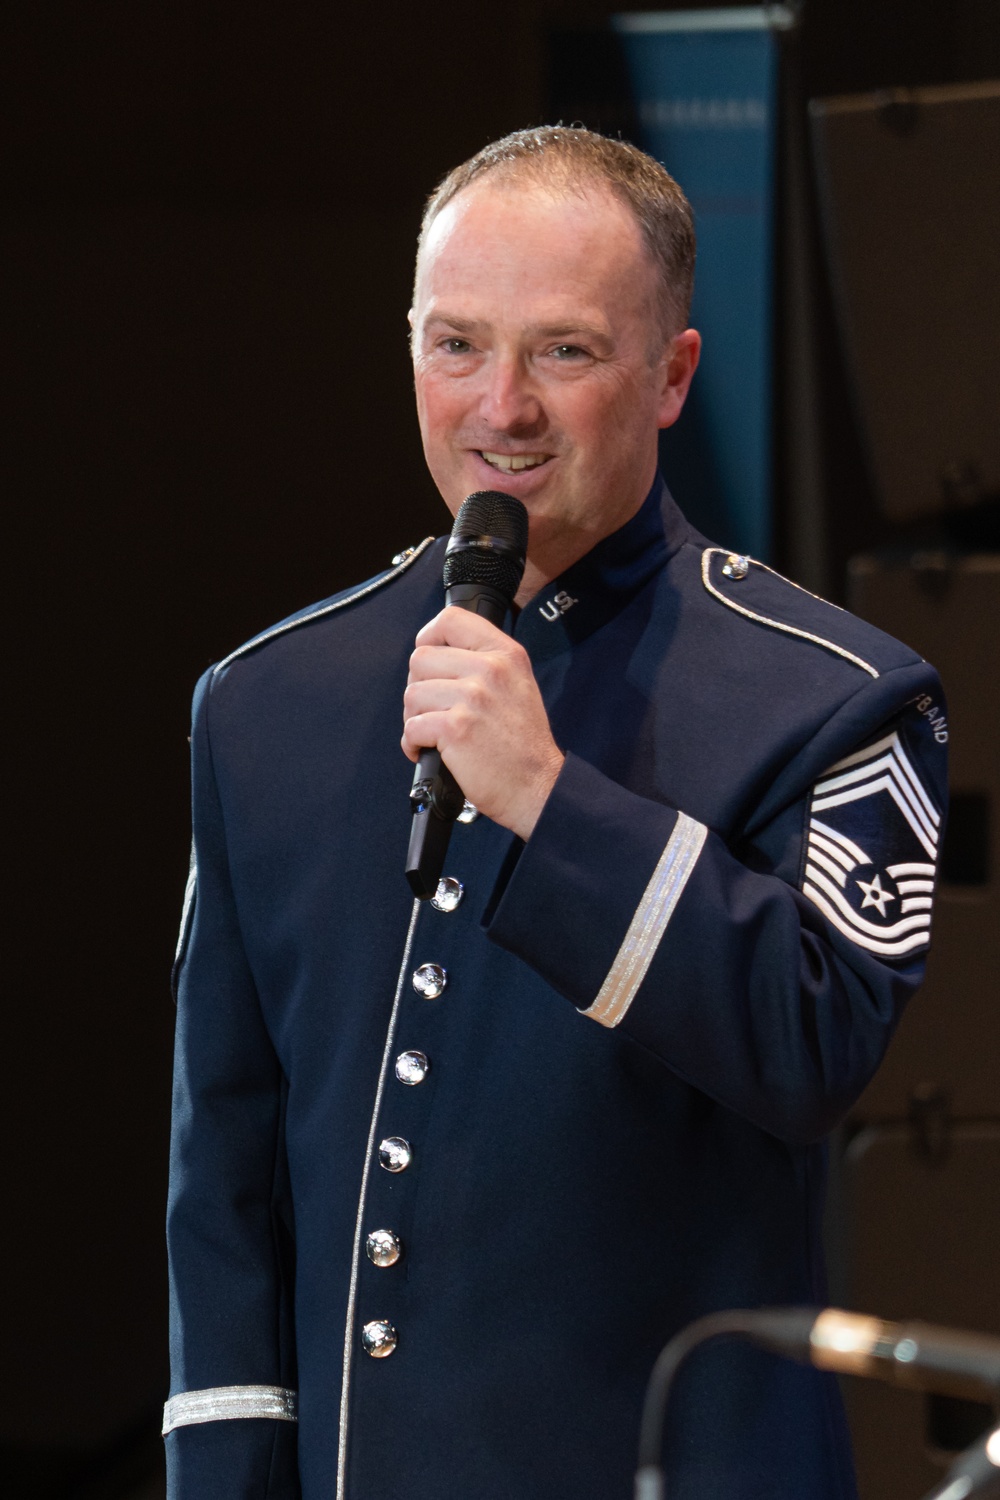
(352, 1296)
(793, 585)
(649, 923)
(805, 635)
(227, 1403)
(327, 609)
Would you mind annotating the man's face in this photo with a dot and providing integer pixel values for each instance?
(537, 363)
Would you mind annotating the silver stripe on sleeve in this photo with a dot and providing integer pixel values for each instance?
(225, 1403)
(649, 922)
(352, 1295)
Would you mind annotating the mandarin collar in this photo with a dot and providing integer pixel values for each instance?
(574, 605)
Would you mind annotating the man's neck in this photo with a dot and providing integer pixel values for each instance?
(549, 557)
(535, 578)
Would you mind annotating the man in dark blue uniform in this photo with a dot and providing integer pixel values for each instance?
(446, 1176)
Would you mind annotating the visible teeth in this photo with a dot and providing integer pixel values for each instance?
(511, 462)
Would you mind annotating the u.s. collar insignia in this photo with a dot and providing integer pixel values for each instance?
(872, 850)
(557, 605)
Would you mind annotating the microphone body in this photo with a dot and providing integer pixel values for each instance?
(483, 568)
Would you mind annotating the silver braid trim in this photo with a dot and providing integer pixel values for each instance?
(805, 635)
(224, 1403)
(649, 922)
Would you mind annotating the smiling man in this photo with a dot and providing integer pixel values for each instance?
(447, 1175)
(549, 348)
(546, 356)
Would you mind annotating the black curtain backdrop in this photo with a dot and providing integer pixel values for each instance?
(209, 216)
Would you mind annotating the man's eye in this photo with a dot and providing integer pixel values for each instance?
(569, 351)
(456, 346)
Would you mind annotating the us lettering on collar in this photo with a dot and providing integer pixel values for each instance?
(872, 848)
(557, 605)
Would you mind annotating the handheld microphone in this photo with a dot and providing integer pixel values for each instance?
(483, 568)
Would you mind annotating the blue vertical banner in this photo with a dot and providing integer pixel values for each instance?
(704, 87)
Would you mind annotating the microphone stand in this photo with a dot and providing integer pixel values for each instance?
(975, 1474)
(649, 1484)
(787, 1331)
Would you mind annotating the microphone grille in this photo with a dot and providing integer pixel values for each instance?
(488, 543)
(491, 513)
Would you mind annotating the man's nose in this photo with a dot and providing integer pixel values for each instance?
(510, 400)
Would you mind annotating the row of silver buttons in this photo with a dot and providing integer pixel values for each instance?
(384, 1248)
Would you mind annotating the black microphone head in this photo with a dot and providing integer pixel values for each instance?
(489, 543)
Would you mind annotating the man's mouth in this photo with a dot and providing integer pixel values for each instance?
(512, 463)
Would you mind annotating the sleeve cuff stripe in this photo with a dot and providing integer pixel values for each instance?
(649, 922)
(224, 1403)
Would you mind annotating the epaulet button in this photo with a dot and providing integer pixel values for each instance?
(736, 566)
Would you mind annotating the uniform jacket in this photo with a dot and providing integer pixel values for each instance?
(601, 1115)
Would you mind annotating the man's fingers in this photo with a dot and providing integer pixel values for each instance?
(439, 692)
(441, 661)
(425, 730)
(460, 627)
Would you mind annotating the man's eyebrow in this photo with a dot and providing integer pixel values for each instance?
(568, 332)
(571, 331)
(461, 325)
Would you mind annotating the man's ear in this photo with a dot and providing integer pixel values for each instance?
(679, 364)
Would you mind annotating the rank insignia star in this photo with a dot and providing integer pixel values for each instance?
(875, 895)
(871, 851)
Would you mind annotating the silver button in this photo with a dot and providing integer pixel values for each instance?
(412, 1067)
(394, 1153)
(379, 1339)
(402, 556)
(383, 1248)
(469, 812)
(736, 566)
(448, 896)
(430, 980)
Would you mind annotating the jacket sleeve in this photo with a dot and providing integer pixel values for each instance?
(755, 967)
(230, 1421)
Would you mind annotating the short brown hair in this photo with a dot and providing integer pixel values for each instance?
(569, 157)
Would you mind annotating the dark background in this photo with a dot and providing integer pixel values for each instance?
(208, 227)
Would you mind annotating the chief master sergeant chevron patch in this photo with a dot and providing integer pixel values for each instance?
(872, 849)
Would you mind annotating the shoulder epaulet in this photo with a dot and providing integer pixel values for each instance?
(736, 567)
(400, 563)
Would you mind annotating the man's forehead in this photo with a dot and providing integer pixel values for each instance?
(518, 192)
(550, 237)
